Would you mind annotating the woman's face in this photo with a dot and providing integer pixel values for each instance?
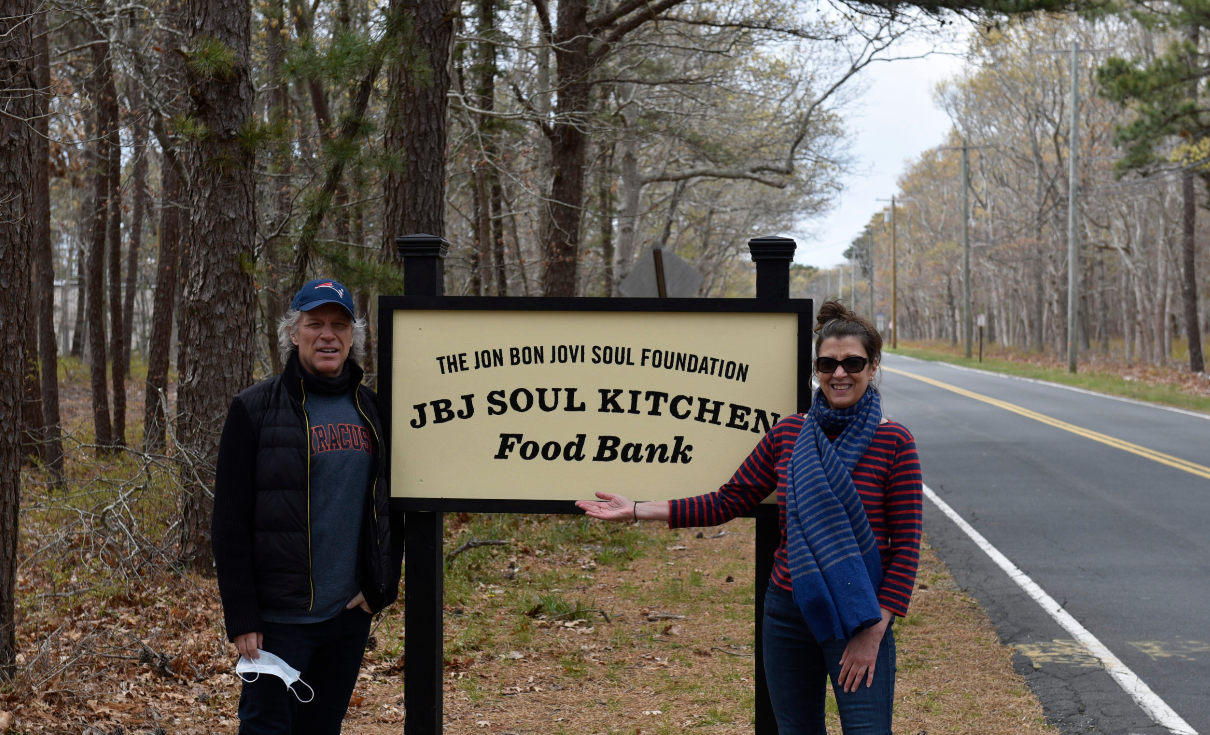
(842, 388)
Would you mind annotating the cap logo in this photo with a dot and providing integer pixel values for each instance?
(328, 284)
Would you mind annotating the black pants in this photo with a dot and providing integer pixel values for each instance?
(329, 656)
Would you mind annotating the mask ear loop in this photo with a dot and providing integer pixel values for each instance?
(300, 699)
(247, 681)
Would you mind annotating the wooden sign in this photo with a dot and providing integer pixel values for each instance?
(501, 404)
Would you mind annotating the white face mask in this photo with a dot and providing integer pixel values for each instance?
(267, 663)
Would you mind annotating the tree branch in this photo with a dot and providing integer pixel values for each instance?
(626, 8)
(547, 130)
(648, 11)
(706, 172)
(544, 17)
(473, 544)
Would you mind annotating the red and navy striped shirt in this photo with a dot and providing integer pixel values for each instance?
(887, 478)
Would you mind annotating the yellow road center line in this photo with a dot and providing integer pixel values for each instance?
(1167, 459)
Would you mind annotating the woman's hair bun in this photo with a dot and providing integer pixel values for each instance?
(837, 320)
(831, 310)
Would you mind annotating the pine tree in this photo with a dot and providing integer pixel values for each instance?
(1171, 126)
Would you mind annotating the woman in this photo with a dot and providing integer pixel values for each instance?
(849, 491)
(302, 540)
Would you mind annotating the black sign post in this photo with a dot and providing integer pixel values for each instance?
(772, 256)
(424, 257)
(423, 577)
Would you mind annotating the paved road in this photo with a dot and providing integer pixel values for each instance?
(1121, 541)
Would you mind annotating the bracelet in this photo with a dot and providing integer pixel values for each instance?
(636, 510)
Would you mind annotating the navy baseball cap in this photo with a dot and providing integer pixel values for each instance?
(323, 291)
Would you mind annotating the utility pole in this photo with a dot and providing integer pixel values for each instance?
(1073, 245)
(869, 236)
(894, 282)
(966, 248)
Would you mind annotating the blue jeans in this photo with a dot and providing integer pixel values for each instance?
(328, 655)
(797, 667)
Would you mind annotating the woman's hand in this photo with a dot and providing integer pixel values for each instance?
(615, 507)
(247, 644)
(360, 599)
(857, 661)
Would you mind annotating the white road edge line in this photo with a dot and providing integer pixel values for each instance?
(1006, 376)
(1156, 708)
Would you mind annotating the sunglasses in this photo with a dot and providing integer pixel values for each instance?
(851, 365)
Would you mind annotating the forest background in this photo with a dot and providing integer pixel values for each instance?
(172, 172)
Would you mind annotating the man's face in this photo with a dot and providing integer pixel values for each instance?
(323, 337)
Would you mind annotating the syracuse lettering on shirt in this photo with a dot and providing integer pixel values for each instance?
(336, 437)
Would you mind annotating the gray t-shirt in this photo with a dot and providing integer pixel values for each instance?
(342, 463)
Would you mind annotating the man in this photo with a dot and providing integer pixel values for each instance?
(302, 535)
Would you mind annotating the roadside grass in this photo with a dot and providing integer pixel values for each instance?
(1165, 386)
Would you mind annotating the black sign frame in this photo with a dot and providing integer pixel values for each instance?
(388, 305)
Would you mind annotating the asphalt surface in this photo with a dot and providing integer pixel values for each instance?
(1121, 541)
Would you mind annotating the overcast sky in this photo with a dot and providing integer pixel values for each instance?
(893, 121)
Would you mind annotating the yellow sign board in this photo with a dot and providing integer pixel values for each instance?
(553, 405)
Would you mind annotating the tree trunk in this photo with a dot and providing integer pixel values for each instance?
(85, 220)
(492, 224)
(138, 151)
(31, 384)
(497, 214)
(44, 289)
(103, 103)
(80, 324)
(632, 188)
(568, 139)
(416, 127)
(156, 393)
(17, 146)
(116, 330)
(1128, 337)
(1193, 327)
(605, 194)
(483, 229)
(218, 304)
(276, 242)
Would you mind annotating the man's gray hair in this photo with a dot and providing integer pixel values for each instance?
(288, 325)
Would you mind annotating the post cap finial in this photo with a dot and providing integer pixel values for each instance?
(422, 245)
(772, 247)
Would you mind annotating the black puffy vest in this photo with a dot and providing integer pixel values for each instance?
(281, 555)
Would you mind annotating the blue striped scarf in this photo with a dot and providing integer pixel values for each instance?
(833, 555)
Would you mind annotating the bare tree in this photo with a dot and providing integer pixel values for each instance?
(138, 152)
(155, 401)
(104, 98)
(117, 351)
(43, 257)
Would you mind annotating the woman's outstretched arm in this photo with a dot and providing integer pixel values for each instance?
(755, 479)
(613, 507)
